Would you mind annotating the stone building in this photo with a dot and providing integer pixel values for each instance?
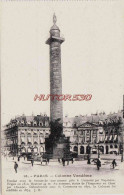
(96, 133)
(27, 134)
(85, 138)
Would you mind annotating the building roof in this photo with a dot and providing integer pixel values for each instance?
(70, 121)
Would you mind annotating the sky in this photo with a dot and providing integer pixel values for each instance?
(92, 57)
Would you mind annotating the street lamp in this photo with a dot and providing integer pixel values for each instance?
(97, 147)
(88, 152)
(98, 151)
(122, 157)
(122, 135)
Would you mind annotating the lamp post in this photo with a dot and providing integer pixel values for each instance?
(122, 149)
(122, 140)
(122, 129)
(98, 151)
(88, 151)
(97, 147)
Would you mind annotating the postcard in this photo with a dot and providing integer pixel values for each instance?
(62, 97)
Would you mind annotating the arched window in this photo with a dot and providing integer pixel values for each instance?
(101, 148)
(116, 146)
(22, 137)
(111, 146)
(29, 137)
(42, 139)
(88, 149)
(35, 143)
(35, 150)
(35, 137)
(29, 150)
(41, 149)
(46, 134)
(23, 150)
(23, 144)
(107, 149)
(75, 149)
(82, 150)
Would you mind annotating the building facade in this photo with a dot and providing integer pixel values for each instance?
(104, 135)
(27, 134)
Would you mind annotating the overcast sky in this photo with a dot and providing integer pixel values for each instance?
(92, 55)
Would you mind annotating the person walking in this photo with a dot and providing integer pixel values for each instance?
(48, 160)
(98, 163)
(32, 162)
(63, 161)
(88, 159)
(41, 160)
(15, 167)
(114, 164)
(18, 158)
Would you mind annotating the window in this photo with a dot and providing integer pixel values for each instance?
(75, 149)
(81, 150)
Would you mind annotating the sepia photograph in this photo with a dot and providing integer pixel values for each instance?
(62, 97)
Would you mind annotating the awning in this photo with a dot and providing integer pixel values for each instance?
(94, 150)
(106, 138)
(41, 140)
(101, 130)
(115, 137)
(22, 139)
(101, 139)
(35, 139)
(29, 139)
(34, 122)
(23, 150)
(35, 149)
(29, 149)
(110, 138)
(22, 122)
(41, 149)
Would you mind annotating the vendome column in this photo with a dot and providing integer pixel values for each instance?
(54, 42)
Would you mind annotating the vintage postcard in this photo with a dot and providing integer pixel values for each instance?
(62, 97)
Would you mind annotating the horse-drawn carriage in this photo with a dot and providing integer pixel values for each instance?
(39, 158)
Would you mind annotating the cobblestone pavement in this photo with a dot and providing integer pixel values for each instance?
(54, 166)
(56, 170)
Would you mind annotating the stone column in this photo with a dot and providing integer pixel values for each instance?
(56, 106)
